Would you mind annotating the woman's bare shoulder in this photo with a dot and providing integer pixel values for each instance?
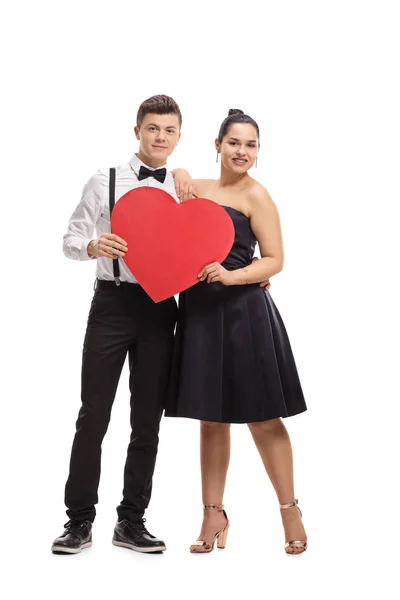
(259, 196)
(202, 186)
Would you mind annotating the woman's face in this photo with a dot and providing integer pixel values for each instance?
(239, 147)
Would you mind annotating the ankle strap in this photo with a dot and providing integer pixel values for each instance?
(214, 506)
(294, 503)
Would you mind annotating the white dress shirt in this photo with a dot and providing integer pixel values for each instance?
(93, 214)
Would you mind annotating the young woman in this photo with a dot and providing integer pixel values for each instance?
(233, 361)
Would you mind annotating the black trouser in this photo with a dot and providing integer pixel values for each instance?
(122, 320)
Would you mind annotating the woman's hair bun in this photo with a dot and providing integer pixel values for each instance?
(235, 111)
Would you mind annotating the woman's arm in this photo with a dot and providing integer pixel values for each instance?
(266, 227)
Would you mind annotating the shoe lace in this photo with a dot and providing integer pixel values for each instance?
(137, 527)
(71, 525)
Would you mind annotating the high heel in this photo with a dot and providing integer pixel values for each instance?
(300, 545)
(200, 546)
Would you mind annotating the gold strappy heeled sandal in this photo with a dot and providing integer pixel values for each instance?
(301, 545)
(200, 546)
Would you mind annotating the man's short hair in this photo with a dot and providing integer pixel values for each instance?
(160, 105)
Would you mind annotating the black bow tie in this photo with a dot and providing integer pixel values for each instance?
(159, 174)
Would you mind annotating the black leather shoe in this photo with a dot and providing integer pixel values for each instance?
(76, 537)
(134, 535)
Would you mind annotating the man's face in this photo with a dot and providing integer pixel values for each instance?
(158, 136)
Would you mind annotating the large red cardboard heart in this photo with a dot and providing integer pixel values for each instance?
(170, 243)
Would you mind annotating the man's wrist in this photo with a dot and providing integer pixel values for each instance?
(92, 248)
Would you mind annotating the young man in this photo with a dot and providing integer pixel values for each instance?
(122, 320)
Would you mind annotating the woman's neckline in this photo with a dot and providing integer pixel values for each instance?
(235, 209)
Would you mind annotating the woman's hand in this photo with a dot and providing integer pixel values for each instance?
(264, 284)
(215, 272)
(183, 184)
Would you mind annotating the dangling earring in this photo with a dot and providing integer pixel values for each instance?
(217, 156)
(256, 160)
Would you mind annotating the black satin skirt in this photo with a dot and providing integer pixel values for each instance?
(232, 360)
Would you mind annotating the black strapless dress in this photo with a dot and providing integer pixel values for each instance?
(232, 358)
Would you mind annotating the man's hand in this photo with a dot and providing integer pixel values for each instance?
(264, 284)
(184, 191)
(183, 185)
(108, 245)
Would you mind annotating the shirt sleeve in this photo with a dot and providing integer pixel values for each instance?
(82, 223)
(170, 186)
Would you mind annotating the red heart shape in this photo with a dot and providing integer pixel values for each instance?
(170, 243)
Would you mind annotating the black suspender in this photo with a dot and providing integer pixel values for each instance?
(112, 202)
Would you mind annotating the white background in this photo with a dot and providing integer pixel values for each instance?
(321, 79)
